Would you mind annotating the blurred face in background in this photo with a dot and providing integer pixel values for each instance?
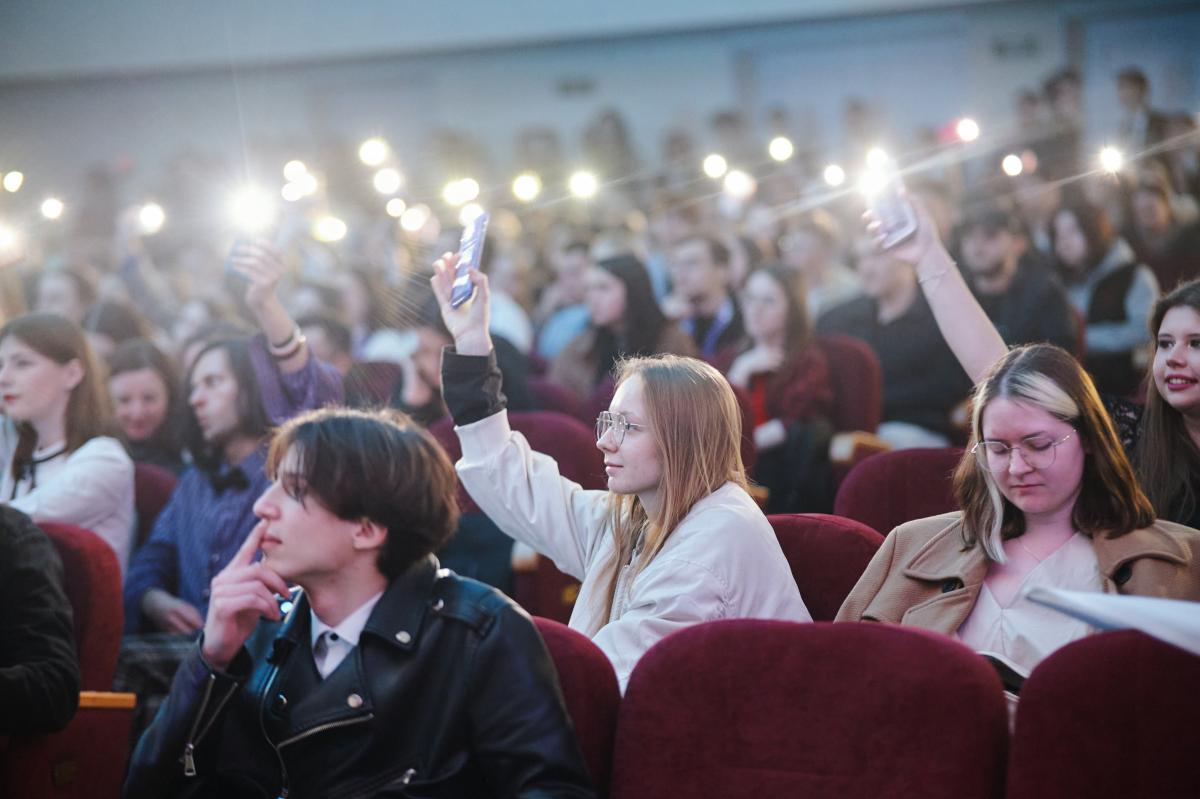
(1151, 212)
(139, 400)
(572, 269)
(57, 293)
(880, 274)
(695, 276)
(988, 252)
(804, 250)
(1070, 245)
(764, 307)
(605, 297)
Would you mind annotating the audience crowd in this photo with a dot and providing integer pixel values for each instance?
(698, 332)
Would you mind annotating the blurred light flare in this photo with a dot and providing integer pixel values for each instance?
(1111, 159)
(251, 209)
(388, 180)
(329, 229)
(469, 213)
(415, 218)
(526, 187)
(877, 158)
(739, 185)
(781, 148)
(52, 208)
(834, 175)
(8, 238)
(395, 207)
(1012, 165)
(151, 217)
(373, 151)
(715, 165)
(13, 181)
(460, 192)
(967, 129)
(294, 170)
(583, 185)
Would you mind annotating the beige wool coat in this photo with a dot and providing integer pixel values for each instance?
(924, 576)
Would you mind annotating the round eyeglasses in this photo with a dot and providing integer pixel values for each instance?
(617, 423)
(1036, 451)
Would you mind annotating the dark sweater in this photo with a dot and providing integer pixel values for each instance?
(922, 380)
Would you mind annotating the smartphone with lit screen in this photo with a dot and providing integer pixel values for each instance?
(470, 254)
(889, 204)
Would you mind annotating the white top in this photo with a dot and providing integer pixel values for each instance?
(91, 487)
(722, 561)
(340, 640)
(510, 322)
(1025, 632)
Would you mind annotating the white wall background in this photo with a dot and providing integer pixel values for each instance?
(245, 82)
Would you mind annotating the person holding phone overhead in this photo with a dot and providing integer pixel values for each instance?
(674, 541)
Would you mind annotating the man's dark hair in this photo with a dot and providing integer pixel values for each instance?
(1134, 77)
(379, 466)
(338, 334)
(252, 417)
(716, 250)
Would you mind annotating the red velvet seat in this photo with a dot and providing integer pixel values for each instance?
(1111, 715)
(755, 709)
(857, 382)
(88, 758)
(152, 488)
(890, 488)
(827, 555)
(544, 591)
(553, 397)
(371, 383)
(590, 690)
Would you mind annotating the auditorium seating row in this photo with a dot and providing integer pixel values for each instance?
(760, 708)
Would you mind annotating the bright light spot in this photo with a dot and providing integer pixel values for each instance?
(151, 217)
(388, 180)
(372, 152)
(395, 207)
(469, 213)
(329, 229)
(13, 181)
(1012, 165)
(877, 158)
(52, 208)
(583, 185)
(715, 165)
(292, 192)
(739, 184)
(251, 209)
(526, 187)
(834, 175)
(1111, 159)
(307, 184)
(415, 218)
(294, 170)
(8, 237)
(967, 129)
(781, 148)
(871, 182)
(460, 192)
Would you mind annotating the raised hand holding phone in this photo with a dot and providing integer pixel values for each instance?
(467, 322)
(242, 593)
(470, 256)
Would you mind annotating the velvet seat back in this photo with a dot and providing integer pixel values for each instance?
(827, 555)
(890, 488)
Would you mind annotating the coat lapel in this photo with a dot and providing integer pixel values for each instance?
(956, 570)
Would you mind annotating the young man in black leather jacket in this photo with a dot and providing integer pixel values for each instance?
(381, 675)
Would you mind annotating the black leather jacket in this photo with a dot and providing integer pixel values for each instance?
(450, 693)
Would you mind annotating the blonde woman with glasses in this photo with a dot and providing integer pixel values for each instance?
(1048, 498)
(674, 541)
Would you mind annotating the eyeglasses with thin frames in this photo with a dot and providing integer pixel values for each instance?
(607, 420)
(1038, 452)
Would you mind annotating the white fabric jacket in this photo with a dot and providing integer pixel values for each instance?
(722, 561)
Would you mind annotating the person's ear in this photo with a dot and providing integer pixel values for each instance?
(369, 534)
(74, 373)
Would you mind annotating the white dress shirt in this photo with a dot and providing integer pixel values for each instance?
(332, 644)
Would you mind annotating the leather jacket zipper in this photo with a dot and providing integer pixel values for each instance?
(195, 734)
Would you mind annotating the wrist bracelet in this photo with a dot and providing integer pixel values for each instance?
(921, 281)
(287, 343)
(283, 355)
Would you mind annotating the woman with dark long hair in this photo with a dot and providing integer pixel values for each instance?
(625, 321)
(60, 464)
(144, 388)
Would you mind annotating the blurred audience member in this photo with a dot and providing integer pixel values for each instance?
(65, 292)
(110, 324)
(144, 388)
(701, 282)
(812, 247)
(60, 464)
(787, 377)
(1167, 244)
(625, 321)
(922, 381)
(1015, 286)
(1112, 291)
(1140, 126)
(329, 340)
(561, 312)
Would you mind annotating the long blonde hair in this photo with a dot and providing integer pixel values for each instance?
(697, 428)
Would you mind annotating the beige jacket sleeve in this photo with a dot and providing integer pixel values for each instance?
(870, 583)
(523, 492)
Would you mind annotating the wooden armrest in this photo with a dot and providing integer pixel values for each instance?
(760, 494)
(107, 700)
(849, 448)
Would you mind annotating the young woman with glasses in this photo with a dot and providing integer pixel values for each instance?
(674, 541)
(1048, 497)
